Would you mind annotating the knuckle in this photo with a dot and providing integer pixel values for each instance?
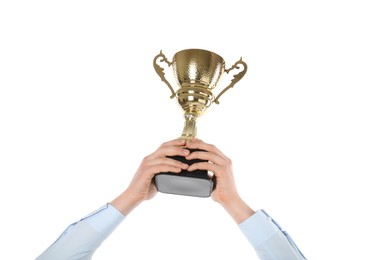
(229, 161)
(147, 159)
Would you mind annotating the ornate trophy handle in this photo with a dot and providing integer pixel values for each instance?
(235, 79)
(160, 71)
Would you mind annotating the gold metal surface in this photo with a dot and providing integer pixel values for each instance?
(197, 72)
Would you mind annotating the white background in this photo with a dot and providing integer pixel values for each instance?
(307, 128)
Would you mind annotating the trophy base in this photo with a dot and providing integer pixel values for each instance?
(196, 183)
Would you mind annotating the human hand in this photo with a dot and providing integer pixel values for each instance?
(220, 165)
(225, 193)
(141, 186)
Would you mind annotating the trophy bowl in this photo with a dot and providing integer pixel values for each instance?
(199, 67)
(197, 72)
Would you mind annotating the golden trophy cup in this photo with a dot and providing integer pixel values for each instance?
(197, 72)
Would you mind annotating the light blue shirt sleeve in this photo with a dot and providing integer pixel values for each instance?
(268, 238)
(81, 239)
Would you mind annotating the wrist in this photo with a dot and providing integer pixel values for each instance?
(238, 209)
(126, 202)
(229, 203)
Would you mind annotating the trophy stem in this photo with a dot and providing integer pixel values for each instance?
(189, 130)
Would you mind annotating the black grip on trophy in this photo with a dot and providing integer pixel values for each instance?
(196, 173)
(197, 183)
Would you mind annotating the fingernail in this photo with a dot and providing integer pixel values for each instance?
(186, 152)
(184, 166)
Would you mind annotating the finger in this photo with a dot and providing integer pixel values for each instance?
(199, 144)
(161, 168)
(171, 148)
(155, 169)
(170, 151)
(174, 142)
(162, 164)
(208, 156)
(167, 161)
(205, 166)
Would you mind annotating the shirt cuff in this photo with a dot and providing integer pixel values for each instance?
(105, 220)
(258, 228)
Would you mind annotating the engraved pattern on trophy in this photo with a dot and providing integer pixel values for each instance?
(197, 72)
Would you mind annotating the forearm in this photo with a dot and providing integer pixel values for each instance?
(82, 238)
(238, 209)
(268, 239)
(125, 202)
(265, 235)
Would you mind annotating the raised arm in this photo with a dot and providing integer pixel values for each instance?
(264, 234)
(141, 187)
(81, 239)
